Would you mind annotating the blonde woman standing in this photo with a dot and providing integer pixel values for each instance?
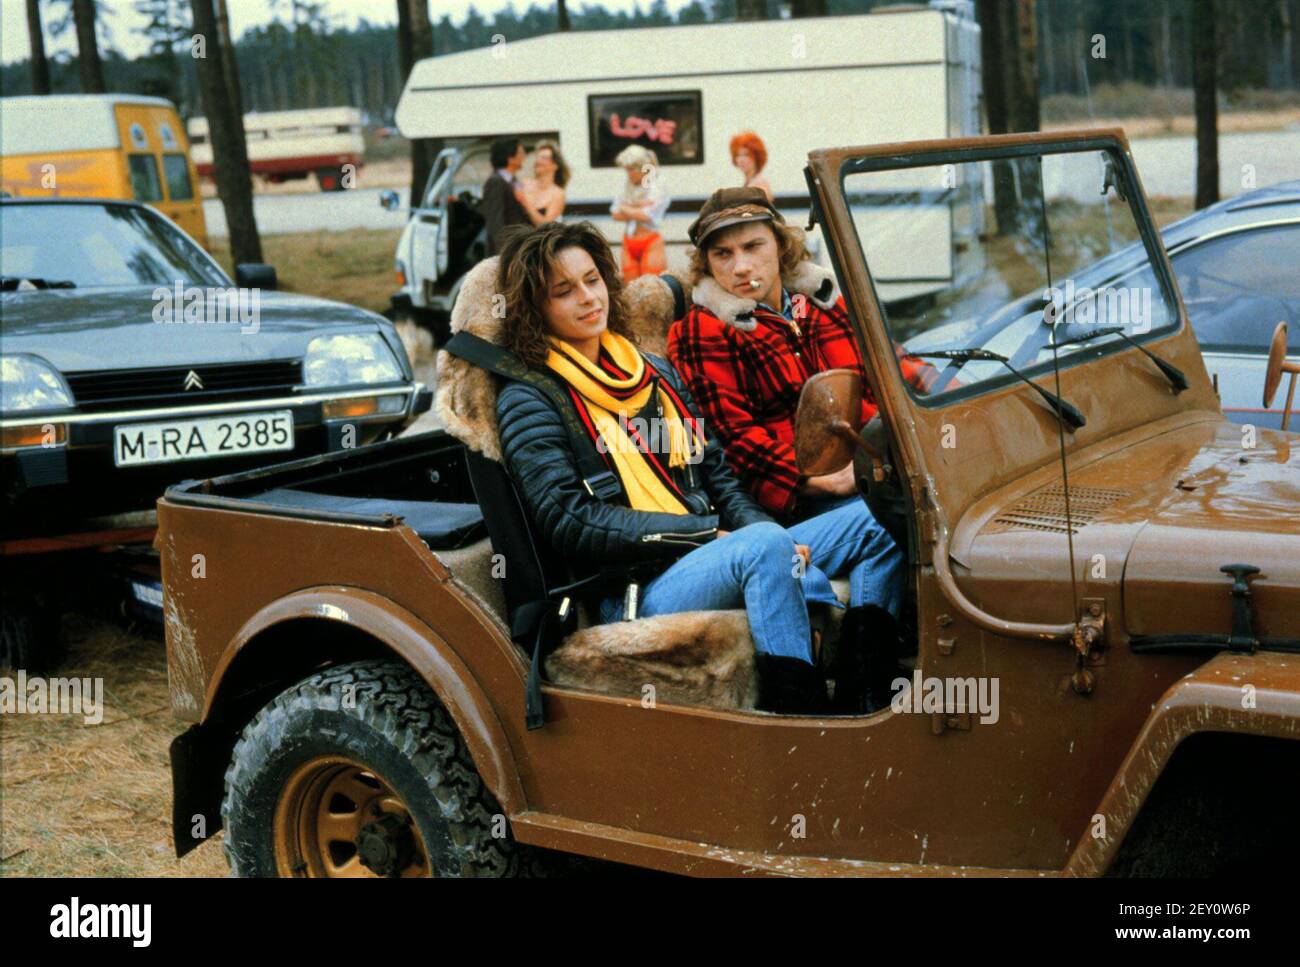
(641, 207)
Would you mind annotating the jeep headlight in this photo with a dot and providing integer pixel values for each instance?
(30, 383)
(350, 359)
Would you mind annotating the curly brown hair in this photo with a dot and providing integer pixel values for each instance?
(527, 258)
(789, 242)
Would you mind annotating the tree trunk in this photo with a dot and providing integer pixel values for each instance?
(751, 10)
(225, 131)
(562, 15)
(807, 8)
(1205, 85)
(40, 65)
(1009, 56)
(92, 71)
(415, 42)
(1287, 67)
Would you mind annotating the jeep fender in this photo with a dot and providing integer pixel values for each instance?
(421, 648)
(1246, 694)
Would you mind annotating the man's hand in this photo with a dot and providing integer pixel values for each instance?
(837, 484)
(804, 551)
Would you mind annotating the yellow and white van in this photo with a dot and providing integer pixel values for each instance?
(101, 146)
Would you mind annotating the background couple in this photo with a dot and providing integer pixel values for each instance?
(511, 199)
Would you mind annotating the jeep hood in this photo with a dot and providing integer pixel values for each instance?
(1154, 520)
(1223, 504)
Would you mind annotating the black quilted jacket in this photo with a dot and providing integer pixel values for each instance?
(539, 456)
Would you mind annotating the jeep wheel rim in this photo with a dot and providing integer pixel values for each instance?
(338, 818)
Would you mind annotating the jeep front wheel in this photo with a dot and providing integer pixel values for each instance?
(358, 771)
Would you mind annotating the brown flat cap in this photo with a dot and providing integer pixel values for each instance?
(731, 206)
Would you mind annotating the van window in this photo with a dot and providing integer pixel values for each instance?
(144, 178)
(176, 168)
(669, 123)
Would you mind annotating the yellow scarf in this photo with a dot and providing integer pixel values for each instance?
(610, 404)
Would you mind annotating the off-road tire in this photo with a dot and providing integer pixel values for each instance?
(394, 725)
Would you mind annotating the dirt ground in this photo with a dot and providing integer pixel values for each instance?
(95, 800)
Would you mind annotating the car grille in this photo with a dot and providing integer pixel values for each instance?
(166, 385)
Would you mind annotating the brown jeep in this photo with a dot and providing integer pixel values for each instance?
(1105, 592)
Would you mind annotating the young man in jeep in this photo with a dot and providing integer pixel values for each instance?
(765, 318)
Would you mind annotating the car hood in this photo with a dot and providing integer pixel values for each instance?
(1153, 522)
(1227, 504)
(97, 329)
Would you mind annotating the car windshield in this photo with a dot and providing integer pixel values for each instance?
(998, 254)
(99, 246)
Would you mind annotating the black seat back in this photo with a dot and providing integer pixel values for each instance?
(533, 568)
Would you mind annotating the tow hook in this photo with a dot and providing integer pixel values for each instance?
(1088, 645)
(1243, 639)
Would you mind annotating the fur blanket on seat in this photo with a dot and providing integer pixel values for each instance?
(693, 658)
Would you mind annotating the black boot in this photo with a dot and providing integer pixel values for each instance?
(866, 661)
(789, 686)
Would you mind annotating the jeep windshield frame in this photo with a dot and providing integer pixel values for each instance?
(1078, 354)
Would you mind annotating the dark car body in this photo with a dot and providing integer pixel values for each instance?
(1236, 263)
(125, 363)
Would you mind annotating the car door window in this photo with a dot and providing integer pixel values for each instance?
(177, 170)
(144, 178)
(1239, 286)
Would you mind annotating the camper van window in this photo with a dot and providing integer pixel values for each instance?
(144, 178)
(669, 123)
(176, 168)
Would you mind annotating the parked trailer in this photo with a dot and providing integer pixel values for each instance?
(909, 73)
(286, 145)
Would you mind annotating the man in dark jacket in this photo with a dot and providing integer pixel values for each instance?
(500, 207)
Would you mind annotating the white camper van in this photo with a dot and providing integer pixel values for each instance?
(895, 74)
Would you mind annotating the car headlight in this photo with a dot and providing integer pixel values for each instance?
(30, 383)
(349, 359)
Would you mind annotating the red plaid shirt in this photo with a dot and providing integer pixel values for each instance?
(746, 386)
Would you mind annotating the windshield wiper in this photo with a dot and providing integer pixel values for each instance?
(1067, 412)
(1172, 372)
(10, 283)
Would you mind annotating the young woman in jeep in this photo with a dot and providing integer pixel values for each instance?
(669, 500)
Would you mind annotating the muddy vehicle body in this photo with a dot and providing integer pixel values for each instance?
(349, 667)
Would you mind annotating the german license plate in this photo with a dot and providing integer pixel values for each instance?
(214, 436)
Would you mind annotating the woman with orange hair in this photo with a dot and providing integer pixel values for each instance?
(749, 154)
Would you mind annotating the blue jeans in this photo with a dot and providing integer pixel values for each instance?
(757, 568)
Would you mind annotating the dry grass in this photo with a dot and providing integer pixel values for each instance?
(95, 800)
(355, 266)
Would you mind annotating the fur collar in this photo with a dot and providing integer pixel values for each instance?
(810, 279)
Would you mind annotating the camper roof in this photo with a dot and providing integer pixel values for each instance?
(685, 55)
(85, 121)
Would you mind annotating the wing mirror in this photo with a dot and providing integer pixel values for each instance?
(1277, 365)
(255, 275)
(389, 200)
(828, 424)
